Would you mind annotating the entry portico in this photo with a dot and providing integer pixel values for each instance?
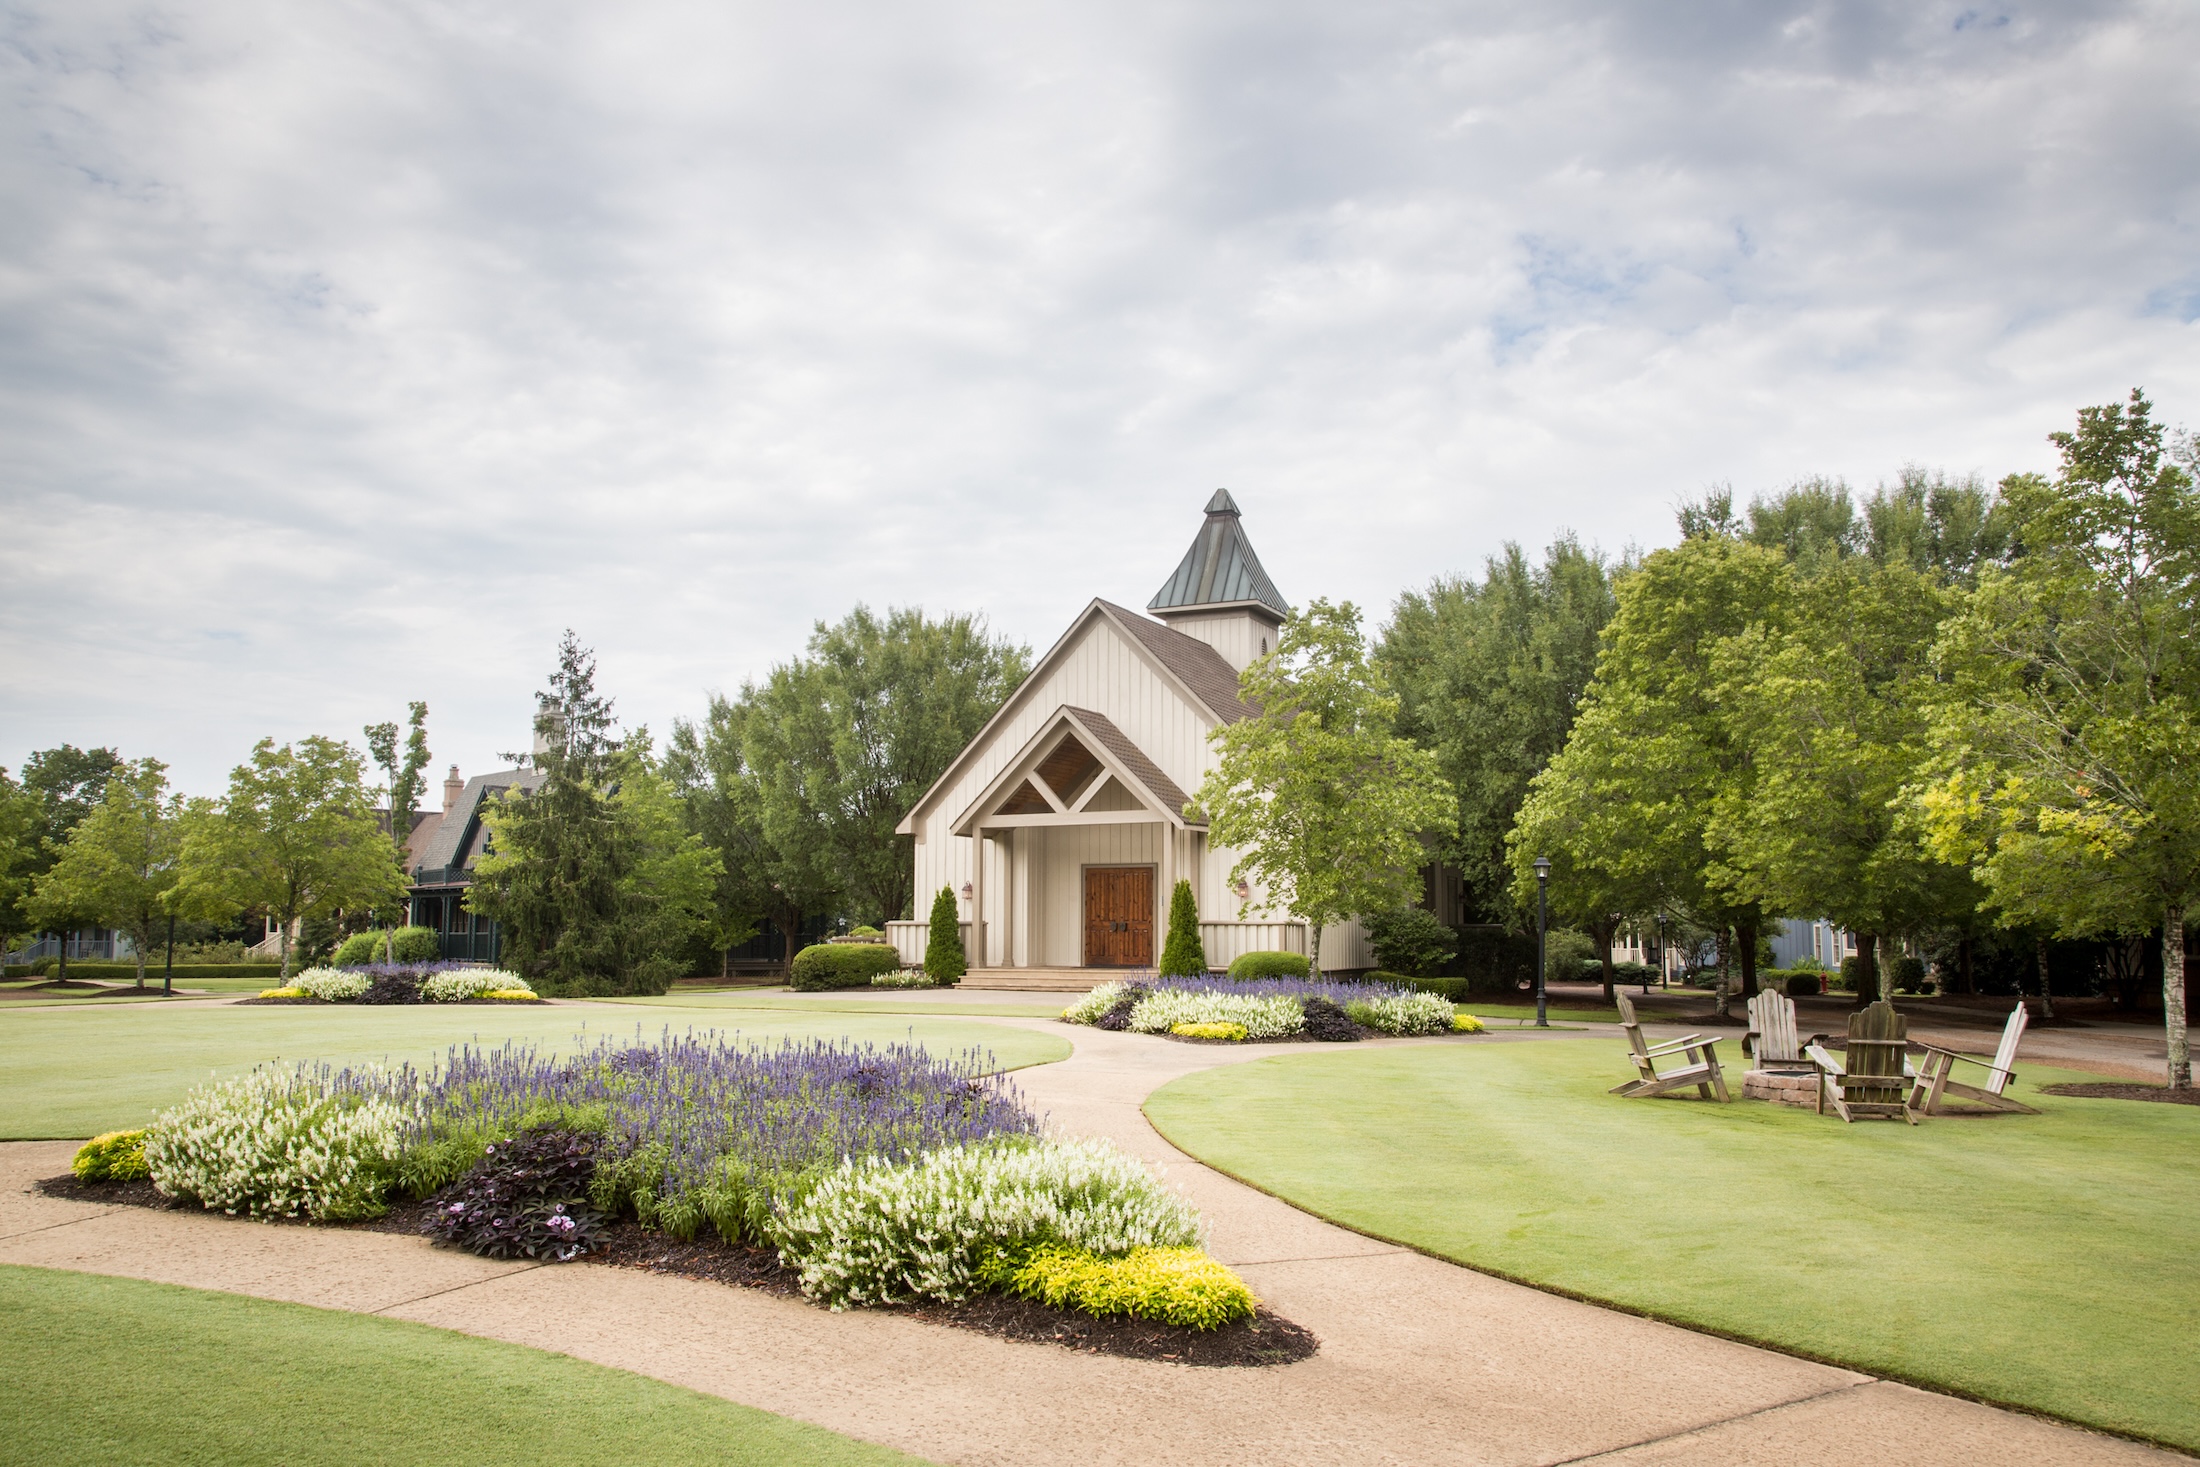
(1065, 824)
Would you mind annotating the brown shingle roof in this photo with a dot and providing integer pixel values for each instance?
(1198, 666)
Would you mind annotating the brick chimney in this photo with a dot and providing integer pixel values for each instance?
(453, 787)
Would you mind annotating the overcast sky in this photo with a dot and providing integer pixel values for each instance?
(349, 352)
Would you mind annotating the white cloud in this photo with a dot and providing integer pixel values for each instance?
(349, 353)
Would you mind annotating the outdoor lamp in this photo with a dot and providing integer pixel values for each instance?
(968, 891)
(1542, 934)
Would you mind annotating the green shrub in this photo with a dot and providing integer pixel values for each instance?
(118, 1156)
(1495, 961)
(1566, 951)
(1803, 985)
(865, 932)
(1183, 955)
(1906, 975)
(413, 945)
(1410, 940)
(1180, 1286)
(827, 965)
(944, 959)
(1269, 965)
(1453, 989)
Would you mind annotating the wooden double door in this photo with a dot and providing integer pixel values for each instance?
(1119, 916)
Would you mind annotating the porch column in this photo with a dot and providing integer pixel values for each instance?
(1168, 885)
(977, 897)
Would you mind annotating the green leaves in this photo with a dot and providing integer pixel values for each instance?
(1325, 801)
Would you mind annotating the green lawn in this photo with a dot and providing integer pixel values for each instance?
(2050, 1262)
(892, 1001)
(118, 1371)
(1510, 1012)
(69, 1070)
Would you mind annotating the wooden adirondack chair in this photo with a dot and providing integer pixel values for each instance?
(1701, 1070)
(1870, 1078)
(1772, 1043)
(1929, 1093)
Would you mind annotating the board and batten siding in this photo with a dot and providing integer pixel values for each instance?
(1034, 878)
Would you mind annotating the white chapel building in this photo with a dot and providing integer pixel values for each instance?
(1062, 829)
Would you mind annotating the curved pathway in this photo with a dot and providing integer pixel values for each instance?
(1421, 1361)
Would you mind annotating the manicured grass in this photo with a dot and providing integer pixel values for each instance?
(1527, 1011)
(77, 1071)
(2048, 1261)
(115, 1370)
(884, 1001)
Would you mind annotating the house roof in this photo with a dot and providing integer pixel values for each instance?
(1116, 756)
(1207, 681)
(1220, 569)
(453, 841)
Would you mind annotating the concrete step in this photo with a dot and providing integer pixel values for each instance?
(1040, 980)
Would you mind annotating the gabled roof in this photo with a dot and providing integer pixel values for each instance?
(1117, 755)
(1220, 569)
(1207, 682)
(453, 842)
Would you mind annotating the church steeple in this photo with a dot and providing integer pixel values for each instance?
(1220, 570)
(1220, 594)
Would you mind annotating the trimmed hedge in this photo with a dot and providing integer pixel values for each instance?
(827, 965)
(413, 944)
(185, 972)
(1269, 965)
(1454, 989)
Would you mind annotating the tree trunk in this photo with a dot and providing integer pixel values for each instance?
(1963, 966)
(1725, 948)
(61, 973)
(285, 930)
(1604, 932)
(1745, 934)
(1314, 951)
(141, 961)
(1867, 968)
(2173, 998)
(2047, 993)
(168, 968)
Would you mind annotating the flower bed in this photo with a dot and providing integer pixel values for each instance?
(1237, 1010)
(877, 1176)
(377, 983)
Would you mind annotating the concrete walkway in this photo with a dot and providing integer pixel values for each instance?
(1421, 1362)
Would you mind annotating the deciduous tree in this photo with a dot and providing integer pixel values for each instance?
(119, 864)
(1327, 804)
(296, 836)
(2069, 773)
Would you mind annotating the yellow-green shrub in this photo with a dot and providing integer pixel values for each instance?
(118, 1156)
(1465, 1024)
(1181, 1286)
(513, 995)
(283, 993)
(1222, 1029)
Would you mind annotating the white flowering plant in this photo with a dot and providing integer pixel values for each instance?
(1404, 1013)
(331, 985)
(874, 1231)
(1263, 1017)
(1095, 1003)
(278, 1143)
(465, 983)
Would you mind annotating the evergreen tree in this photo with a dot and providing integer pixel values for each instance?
(593, 876)
(1183, 955)
(944, 962)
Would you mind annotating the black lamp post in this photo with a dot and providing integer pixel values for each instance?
(1542, 934)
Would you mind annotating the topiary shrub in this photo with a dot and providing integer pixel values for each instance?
(1183, 955)
(1269, 965)
(1410, 940)
(865, 932)
(1906, 975)
(1803, 985)
(413, 945)
(828, 965)
(944, 960)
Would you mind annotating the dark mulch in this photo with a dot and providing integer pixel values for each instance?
(1265, 1339)
(2105, 1090)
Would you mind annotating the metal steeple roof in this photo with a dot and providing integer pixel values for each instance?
(1220, 569)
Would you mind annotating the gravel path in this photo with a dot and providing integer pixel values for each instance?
(1421, 1361)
